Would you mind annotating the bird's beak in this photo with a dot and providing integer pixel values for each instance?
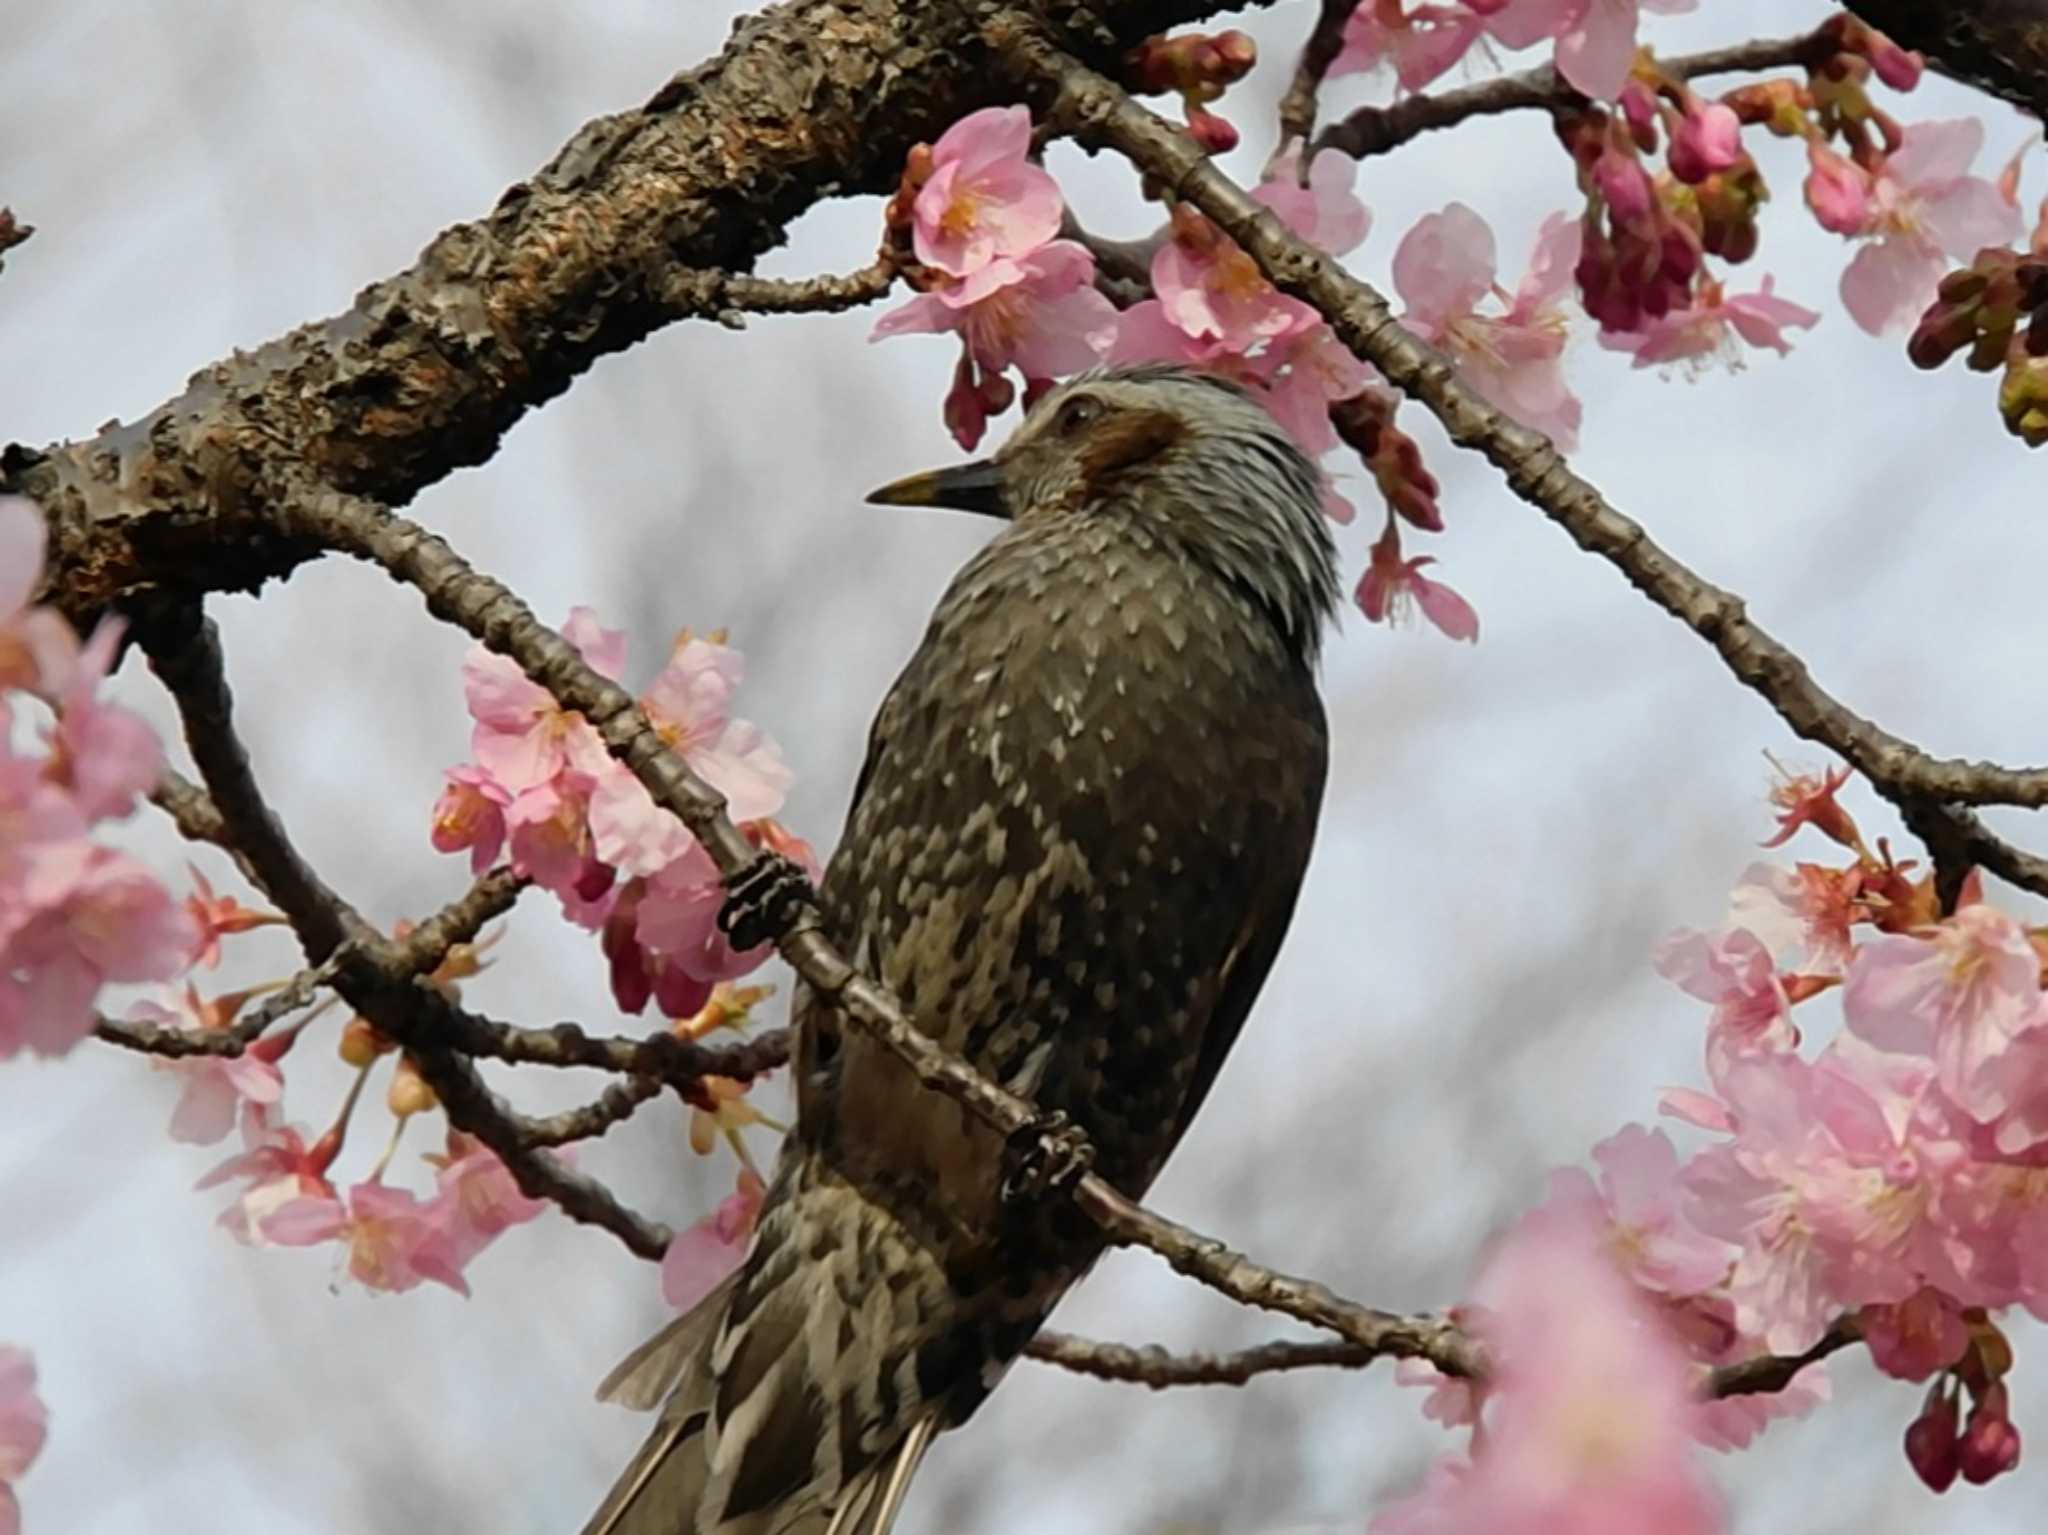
(975, 487)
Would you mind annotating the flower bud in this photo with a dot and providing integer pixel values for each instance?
(361, 1043)
(1990, 1444)
(409, 1093)
(1932, 1449)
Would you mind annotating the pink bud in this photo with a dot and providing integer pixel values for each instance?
(1624, 184)
(1990, 1445)
(1216, 136)
(1709, 139)
(1931, 1448)
(1836, 191)
(1898, 67)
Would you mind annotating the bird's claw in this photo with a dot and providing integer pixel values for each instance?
(764, 900)
(1047, 1156)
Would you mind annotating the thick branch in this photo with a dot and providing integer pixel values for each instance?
(428, 369)
(1096, 109)
(1375, 130)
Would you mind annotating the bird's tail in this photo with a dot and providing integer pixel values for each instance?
(795, 1399)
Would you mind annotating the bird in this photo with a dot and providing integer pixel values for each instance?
(1073, 850)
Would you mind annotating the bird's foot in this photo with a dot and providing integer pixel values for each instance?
(763, 900)
(1047, 1156)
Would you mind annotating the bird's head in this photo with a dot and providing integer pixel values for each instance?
(1189, 454)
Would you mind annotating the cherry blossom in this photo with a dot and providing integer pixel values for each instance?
(1444, 267)
(395, 1241)
(1733, 970)
(1802, 914)
(1924, 211)
(1596, 39)
(478, 1197)
(471, 814)
(278, 1167)
(703, 1254)
(216, 1086)
(24, 1425)
(523, 738)
(1326, 212)
(1960, 995)
(1417, 44)
(218, 917)
(1638, 1193)
(91, 916)
(1212, 291)
(1589, 1418)
(1391, 586)
(1707, 328)
(984, 198)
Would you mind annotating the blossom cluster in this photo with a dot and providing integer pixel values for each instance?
(542, 789)
(75, 914)
(1592, 42)
(1896, 1177)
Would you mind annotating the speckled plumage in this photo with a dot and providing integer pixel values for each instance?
(1073, 850)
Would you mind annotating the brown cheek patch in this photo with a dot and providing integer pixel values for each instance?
(1125, 439)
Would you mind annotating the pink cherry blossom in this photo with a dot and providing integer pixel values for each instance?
(1417, 44)
(220, 916)
(395, 1241)
(24, 1425)
(278, 1167)
(1039, 312)
(1590, 1414)
(549, 835)
(1326, 212)
(1925, 211)
(1960, 996)
(471, 814)
(1596, 39)
(1392, 585)
(216, 1086)
(702, 1255)
(105, 755)
(1444, 267)
(1210, 289)
(690, 705)
(522, 736)
(92, 916)
(1801, 914)
(1733, 970)
(985, 199)
(479, 1197)
(1707, 329)
(1656, 1245)
(1451, 1401)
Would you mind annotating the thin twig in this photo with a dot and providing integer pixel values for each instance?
(1094, 107)
(728, 296)
(1151, 1365)
(1774, 1372)
(1375, 130)
(1325, 42)
(614, 1104)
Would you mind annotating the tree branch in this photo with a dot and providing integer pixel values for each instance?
(1098, 111)
(1375, 130)
(1151, 1365)
(1325, 42)
(428, 369)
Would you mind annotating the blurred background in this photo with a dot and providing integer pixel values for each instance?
(1466, 999)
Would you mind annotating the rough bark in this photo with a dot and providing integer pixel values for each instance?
(428, 369)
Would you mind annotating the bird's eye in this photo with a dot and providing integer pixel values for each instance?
(1077, 413)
